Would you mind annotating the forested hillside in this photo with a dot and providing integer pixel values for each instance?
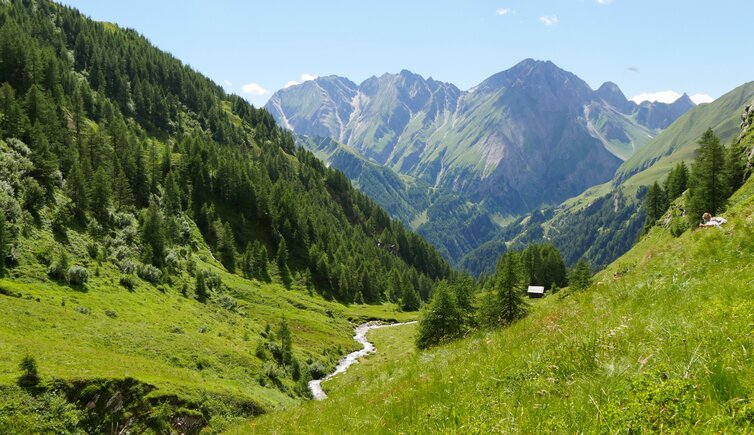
(151, 225)
(117, 126)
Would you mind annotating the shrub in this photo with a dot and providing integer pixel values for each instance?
(271, 371)
(59, 267)
(128, 281)
(317, 370)
(29, 374)
(77, 275)
(111, 314)
(149, 273)
(678, 227)
(83, 310)
(260, 351)
(226, 301)
(128, 267)
(93, 250)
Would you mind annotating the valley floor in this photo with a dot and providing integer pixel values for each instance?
(662, 342)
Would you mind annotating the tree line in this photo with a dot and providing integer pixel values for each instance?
(461, 304)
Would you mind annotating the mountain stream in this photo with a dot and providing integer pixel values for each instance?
(352, 358)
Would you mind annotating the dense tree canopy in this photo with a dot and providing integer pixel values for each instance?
(126, 128)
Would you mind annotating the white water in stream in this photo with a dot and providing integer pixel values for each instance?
(352, 358)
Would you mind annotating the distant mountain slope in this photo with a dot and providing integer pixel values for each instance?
(604, 221)
(529, 136)
(448, 220)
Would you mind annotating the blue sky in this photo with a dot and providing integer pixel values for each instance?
(645, 46)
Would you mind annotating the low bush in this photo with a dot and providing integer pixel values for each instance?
(149, 273)
(128, 281)
(77, 275)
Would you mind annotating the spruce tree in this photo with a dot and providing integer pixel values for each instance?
(153, 235)
(77, 191)
(410, 300)
(708, 188)
(227, 248)
(247, 261)
(260, 260)
(441, 320)
(282, 255)
(200, 288)
(122, 192)
(172, 198)
(509, 282)
(101, 196)
(677, 181)
(655, 204)
(29, 373)
(581, 275)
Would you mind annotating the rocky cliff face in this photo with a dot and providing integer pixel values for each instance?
(746, 138)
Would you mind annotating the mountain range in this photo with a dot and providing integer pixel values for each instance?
(525, 138)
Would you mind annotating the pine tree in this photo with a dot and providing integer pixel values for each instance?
(153, 235)
(441, 320)
(282, 255)
(410, 300)
(101, 196)
(677, 181)
(227, 248)
(655, 204)
(509, 285)
(581, 275)
(200, 288)
(77, 191)
(708, 188)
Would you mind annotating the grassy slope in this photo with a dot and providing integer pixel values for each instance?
(159, 336)
(664, 347)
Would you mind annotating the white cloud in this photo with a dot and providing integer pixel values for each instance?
(701, 98)
(549, 20)
(661, 96)
(305, 77)
(228, 83)
(292, 83)
(503, 11)
(604, 2)
(254, 89)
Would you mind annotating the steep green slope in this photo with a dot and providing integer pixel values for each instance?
(679, 140)
(660, 343)
(151, 226)
(449, 220)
